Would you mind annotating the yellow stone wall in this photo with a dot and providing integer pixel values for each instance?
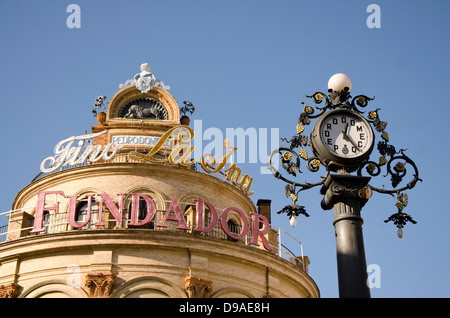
(119, 262)
(148, 264)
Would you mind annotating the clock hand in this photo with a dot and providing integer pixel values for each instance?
(346, 137)
(354, 143)
(344, 132)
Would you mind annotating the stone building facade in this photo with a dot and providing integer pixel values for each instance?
(122, 226)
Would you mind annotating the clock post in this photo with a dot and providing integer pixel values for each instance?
(347, 195)
(341, 142)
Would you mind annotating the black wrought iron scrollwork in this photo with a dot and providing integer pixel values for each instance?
(187, 108)
(290, 161)
(294, 209)
(395, 161)
(400, 219)
(99, 105)
(396, 164)
(339, 100)
(312, 164)
(396, 168)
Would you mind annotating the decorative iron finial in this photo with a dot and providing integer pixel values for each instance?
(99, 104)
(188, 107)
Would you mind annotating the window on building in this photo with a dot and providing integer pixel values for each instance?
(234, 228)
(46, 222)
(81, 214)
(141, 215)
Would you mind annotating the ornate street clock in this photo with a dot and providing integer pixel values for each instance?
(342, 138)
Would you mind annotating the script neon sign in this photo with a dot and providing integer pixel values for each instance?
(257, 233)
(68, 152)
(181, 154)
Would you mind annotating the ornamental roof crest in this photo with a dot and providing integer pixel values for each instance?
(145, 80)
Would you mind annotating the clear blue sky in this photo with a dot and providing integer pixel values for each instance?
(248, 63)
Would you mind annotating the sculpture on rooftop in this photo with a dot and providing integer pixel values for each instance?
(145, 80)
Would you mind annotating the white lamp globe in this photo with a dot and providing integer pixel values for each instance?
(293, 221)
(400, 232)
(339, 81)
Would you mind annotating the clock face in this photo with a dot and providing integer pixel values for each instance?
(346, 135)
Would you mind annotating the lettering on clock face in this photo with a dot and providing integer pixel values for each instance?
(346, 136)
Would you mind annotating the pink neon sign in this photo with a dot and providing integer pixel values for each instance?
(117, 211)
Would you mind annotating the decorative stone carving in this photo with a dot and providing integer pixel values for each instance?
(9, 290)
(145, 80)
(197, 287)
(99, 285)
(143, 108)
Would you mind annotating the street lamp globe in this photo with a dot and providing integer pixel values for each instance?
(293, 220)
(338, 82)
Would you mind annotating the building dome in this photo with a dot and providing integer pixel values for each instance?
(124, 212)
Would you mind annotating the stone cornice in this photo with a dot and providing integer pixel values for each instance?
(163, 240)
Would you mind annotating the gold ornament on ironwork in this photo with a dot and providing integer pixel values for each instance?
(300, 129)
(361, 100)
(303, 154)
(315, 163)
(294, 197)
(373, 115)
(399, 167)
(400, 206)
(371, 167)
(287, 156)
(318, 98)
(309, 109)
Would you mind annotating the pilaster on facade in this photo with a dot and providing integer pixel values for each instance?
(198, 287)
(99, 285)
(9, 290)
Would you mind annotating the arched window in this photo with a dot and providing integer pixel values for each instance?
(142, 213)
(234, 228)
(158, 199)
(46, 222)
(81, 213)
(188, 213)
(189, 208)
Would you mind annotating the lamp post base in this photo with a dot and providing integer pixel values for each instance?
(347, 195)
